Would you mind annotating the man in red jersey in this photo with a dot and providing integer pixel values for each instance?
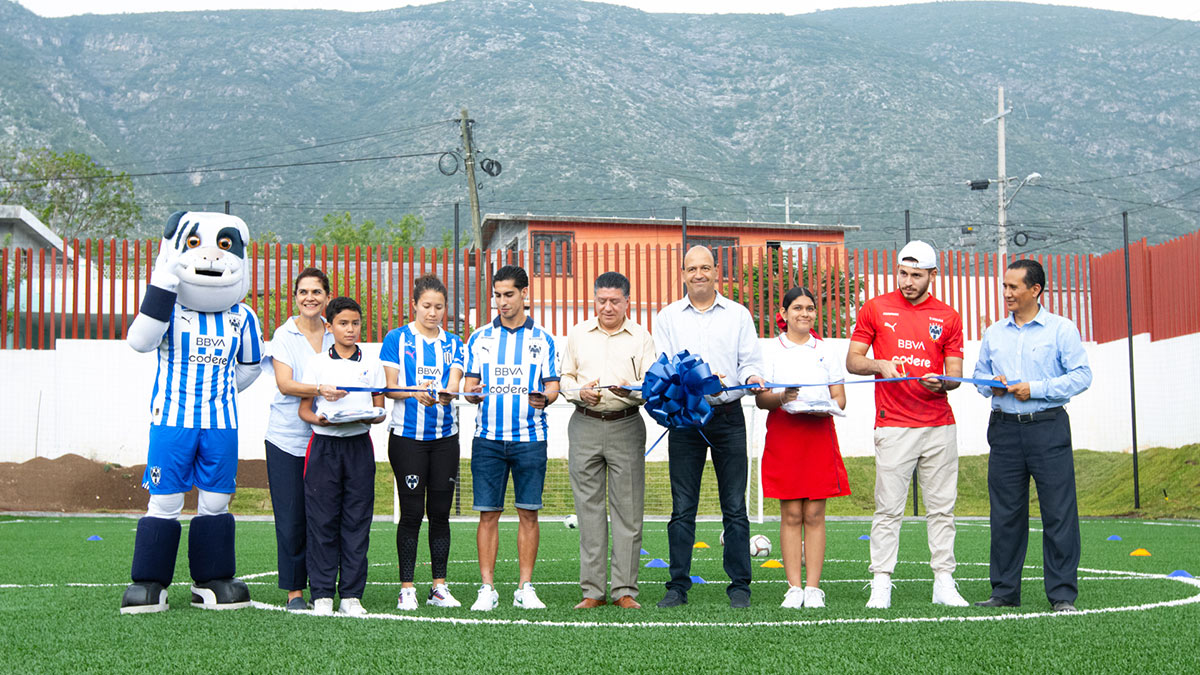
(911, 333)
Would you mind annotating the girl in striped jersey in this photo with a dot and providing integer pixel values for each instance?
(423, 444)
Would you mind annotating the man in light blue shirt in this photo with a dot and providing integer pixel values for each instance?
(722, 333)
(1040, 359)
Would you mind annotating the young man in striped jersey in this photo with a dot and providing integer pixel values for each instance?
(209, 345)
(511, 362)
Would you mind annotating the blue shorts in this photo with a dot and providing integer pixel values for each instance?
(180, 458)
(491, 462)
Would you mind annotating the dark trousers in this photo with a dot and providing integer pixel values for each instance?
(1042, 450)
(339, 500)
(686, 450)
(285, 477)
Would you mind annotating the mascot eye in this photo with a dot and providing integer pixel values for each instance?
(225, 243)
(193, 241)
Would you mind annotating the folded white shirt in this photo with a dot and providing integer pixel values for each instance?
(343, 416)
(813, 406)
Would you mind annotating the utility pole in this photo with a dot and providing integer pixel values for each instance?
(1002, 231)
(469, 160)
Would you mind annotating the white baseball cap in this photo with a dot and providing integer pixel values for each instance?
(923, 254)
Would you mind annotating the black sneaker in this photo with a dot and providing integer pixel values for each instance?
(1064, 606)
(221, 594)
(673, 598)
(739, 599)
(144, 597)
(298, 604)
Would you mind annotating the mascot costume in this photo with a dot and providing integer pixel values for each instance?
(209, 345)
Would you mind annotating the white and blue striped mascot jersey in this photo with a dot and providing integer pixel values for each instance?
(420, 360)
(208, 345)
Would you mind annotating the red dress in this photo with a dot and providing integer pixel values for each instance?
(801, 458)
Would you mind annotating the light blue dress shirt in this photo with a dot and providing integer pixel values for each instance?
(1046, 352)
(723, 336)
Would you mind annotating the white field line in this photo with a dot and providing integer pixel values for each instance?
(767, 624)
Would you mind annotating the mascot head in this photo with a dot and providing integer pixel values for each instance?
(212, 259)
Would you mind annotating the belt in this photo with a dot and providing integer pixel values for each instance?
(1027, 418)
(731, 408)
(607, 416)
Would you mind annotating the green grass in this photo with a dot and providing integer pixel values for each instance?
(1169, 478)
(49, 626)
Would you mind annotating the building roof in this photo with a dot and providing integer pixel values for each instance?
(21, 219)
(491, 220)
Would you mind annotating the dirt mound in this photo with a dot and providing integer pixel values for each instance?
(75, 484)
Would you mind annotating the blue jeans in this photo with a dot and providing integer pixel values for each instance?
(492, 461)
(686, 450)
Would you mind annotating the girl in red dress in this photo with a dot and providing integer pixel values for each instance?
(802, 465)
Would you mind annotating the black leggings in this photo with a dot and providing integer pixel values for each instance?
(426, 472)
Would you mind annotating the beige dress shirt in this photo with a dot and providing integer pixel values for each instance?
(594, 354)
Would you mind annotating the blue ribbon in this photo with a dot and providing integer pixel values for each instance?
(674, 391)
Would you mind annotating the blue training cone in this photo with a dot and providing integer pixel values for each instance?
(698, 580)
(95, 537)
(645, 552)
(1113, 537)
(657, 562)
(865, 537)
(1181, 573)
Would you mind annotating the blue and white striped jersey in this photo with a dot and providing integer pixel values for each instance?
(511, 363)
(196, 384)
(421, 360)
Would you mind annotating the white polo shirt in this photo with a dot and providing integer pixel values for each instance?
(359, 370)
(813, 362)
(285, 429)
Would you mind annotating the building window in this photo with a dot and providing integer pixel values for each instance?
(801, 250)
(553, 246)
(724, 250)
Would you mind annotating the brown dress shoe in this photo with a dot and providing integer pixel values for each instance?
(627, 602)
(590, 603)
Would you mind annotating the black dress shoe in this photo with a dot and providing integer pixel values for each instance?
(673, 598)
(997, 602)
(1064, 606)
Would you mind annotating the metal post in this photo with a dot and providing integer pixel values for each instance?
(685, 245)
(1137, 497)
(457, 331)
(908, 238)
(226, 207)
(907, 231)
(1002, 231)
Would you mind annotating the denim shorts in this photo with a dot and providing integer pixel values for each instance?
(492, 461)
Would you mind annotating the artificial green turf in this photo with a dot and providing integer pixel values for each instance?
(1169, 478)
(59, 627)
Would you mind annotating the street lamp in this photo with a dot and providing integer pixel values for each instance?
(1002, 231)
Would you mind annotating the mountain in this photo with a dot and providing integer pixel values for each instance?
(854, 115)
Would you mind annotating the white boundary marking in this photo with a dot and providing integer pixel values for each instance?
(790, 623)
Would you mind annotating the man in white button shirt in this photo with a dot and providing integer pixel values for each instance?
(721, 332)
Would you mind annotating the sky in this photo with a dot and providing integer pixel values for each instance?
(1173, 9)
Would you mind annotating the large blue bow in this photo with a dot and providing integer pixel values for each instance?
(674, 390)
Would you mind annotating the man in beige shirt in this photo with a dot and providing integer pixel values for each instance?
(607, 441)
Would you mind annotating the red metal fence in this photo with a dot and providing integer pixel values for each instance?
(1165, 285)
(95, 288)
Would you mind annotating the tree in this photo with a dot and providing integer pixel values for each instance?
(838, 298)
(69, 192)
(340, 230)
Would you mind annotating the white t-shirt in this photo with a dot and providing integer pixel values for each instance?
(810, 363)
(289, 346)
(359, 370)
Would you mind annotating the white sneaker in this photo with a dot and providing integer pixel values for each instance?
(487, 601)
(881, 592)
(945, 591)
(814, 598)
(352, 607)
(439, 596)
(794, 598)
(526, 598)
(323, 607)
(408, 598)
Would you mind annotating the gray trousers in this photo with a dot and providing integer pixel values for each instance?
(606, 459)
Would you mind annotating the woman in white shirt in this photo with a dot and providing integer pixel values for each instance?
(291, 347)
(802, 464)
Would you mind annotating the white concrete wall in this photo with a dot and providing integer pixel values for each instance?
(91, 398)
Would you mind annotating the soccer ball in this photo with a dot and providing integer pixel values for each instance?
(571, 522)
(760, 546)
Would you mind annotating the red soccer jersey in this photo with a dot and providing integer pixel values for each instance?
(920, 337)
